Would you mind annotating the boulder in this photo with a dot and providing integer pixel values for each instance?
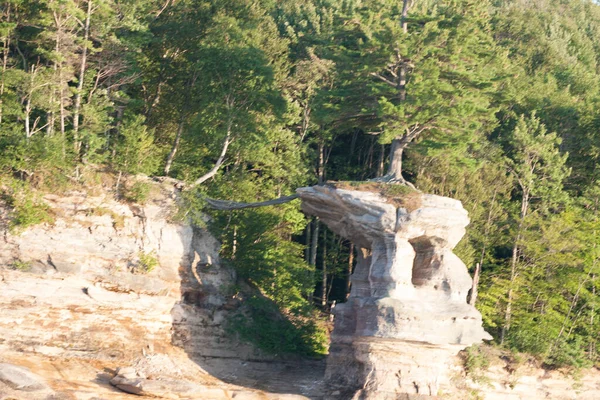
(21, 378)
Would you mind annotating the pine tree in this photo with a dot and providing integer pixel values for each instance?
(539, 169)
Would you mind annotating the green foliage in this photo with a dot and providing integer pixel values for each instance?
(26, 209)
(135, 150)
(275, 333)
(28, 212)
(118, 220)
(476, 360)
(263, 256)
(147, 262)
(536, 161)
(570, 354)
(137, 192)
(22, 266)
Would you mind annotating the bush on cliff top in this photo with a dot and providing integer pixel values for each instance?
(26, 209)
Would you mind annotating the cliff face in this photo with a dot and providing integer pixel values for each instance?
(107, 277)
(112, 284)
(504, 379)
(407, 315)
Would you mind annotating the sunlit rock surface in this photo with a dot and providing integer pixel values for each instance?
(75, 302)
(407, 314)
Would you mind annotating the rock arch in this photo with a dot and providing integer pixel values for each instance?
(407, 313)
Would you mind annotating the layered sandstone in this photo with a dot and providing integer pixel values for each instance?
(407, 314)
(76, 301)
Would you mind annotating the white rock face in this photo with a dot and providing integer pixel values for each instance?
(79, 293)
(81, 311)
(407, 313)
(82, 279)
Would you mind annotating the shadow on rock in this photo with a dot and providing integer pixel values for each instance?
(200, 328)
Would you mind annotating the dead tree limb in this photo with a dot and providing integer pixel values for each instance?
(226, 205)
(219, 162)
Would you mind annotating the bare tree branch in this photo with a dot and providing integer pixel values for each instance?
(384, 79)
(213, 171)
(225, 205)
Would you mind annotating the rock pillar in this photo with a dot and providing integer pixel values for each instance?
(407, 314)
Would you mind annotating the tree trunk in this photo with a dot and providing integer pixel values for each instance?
(592, 345)
(324, 271)
(59, 70)
(473, 293)
(402, 81)
(513, 267)
(353, 142)
(574, 302)
(349, 271)
(28, 107)
(477, 274)
(156, 99)
(63, 112)
(82, 69)
(171, 155)
(510, 295)
(118, 183)
(5, 46)
(220, 160)
(395, 168)
(400, 143)
(234, 242)
(369, 158)
(51, 120)
(315, 242)
(381, 161)
(307, 241)
(402, 70)
(403, 22)
(321, 166)
(28, 117)
(305, 120)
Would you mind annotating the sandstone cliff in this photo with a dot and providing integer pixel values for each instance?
(111, 284)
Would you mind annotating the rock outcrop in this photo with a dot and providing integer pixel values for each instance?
(82, 318)
(77, 297)
(84, 277)
(407, 314)
(20, 378)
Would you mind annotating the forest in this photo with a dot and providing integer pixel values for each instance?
(492, 102)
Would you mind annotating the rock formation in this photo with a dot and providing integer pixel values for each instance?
(83, 276)
(81, 317)
(407, 313)
(76, 299)
(20, 378)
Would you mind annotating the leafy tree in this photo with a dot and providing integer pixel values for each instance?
(135, 151)
(539, 169)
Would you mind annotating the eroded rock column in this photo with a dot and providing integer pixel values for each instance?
(407, 314)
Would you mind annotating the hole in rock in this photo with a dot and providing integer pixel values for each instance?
(428, 263)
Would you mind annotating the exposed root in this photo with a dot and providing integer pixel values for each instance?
(393, 179)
